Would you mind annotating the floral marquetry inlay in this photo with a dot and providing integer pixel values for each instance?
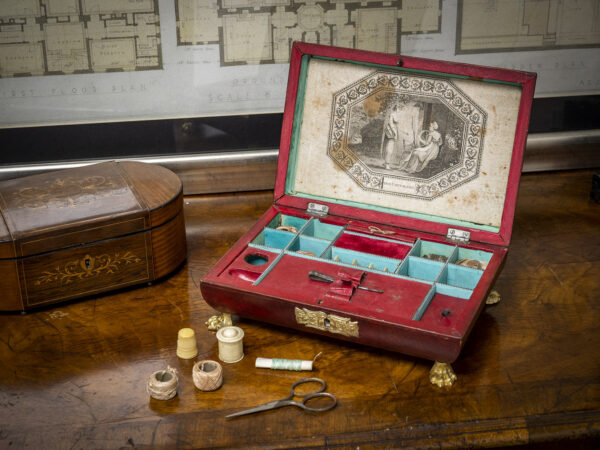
(64, 192)
(88, 267)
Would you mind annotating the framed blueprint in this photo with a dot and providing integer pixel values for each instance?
(86, 61)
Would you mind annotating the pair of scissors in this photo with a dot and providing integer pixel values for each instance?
(287, 401)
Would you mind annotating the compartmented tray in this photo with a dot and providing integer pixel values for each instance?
(423, 280)
(394, 201)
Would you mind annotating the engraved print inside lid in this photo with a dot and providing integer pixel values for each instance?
(406, 135)
(416, 143)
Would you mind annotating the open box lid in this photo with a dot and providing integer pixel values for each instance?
(420, 144)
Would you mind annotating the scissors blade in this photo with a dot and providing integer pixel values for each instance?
(265, 407)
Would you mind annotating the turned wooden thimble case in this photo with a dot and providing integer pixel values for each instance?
(231, 347)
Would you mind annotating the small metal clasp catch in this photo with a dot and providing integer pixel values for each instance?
(458, 236)
(316, 209)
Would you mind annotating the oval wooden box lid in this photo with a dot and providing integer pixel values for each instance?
(55, 210)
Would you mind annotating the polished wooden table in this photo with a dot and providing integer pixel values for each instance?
(74, 376)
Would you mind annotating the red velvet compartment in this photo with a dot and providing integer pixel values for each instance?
(399, 301)
(372, 246)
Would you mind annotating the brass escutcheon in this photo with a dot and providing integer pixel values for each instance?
(326, 322)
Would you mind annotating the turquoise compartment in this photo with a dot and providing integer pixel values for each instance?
(363, 260)
(321, 230)
(422, 248)
(462, 253)
(272, 238)
(284, 220)
(460, 276)
(424, 269)
(308, 244)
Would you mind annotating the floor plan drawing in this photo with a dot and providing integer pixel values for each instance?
(57, 37)
(262, 31)
(517, 25)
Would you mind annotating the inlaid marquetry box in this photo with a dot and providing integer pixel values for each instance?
(76, 232)
(394, 201)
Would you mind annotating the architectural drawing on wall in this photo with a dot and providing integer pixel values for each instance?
(517, 25)
(262, 31)
(57, 37)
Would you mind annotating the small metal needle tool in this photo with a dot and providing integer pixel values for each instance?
(318, 276)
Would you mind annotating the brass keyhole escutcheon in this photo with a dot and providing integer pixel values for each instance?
(326, 322)
(87, 263)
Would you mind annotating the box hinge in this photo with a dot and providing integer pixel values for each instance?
(316, 209)
(458, 236)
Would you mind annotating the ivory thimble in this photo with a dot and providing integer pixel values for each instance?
(186, 344)
(231, 346)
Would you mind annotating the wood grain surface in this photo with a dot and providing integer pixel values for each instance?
(74, 376)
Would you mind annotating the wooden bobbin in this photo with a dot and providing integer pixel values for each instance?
(231, 347)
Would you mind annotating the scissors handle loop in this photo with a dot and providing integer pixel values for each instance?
(327, 407)
(307, 380)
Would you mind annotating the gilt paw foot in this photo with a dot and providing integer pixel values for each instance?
(493, 298)
(442, 375)
(220, 321)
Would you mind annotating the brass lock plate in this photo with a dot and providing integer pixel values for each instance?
(326, 322)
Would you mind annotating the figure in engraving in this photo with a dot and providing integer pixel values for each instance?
(400, 131)
(430, 141)
(407, 136)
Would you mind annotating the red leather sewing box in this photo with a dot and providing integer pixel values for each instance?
(394, 201)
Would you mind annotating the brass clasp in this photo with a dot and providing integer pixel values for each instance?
(326, 322)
